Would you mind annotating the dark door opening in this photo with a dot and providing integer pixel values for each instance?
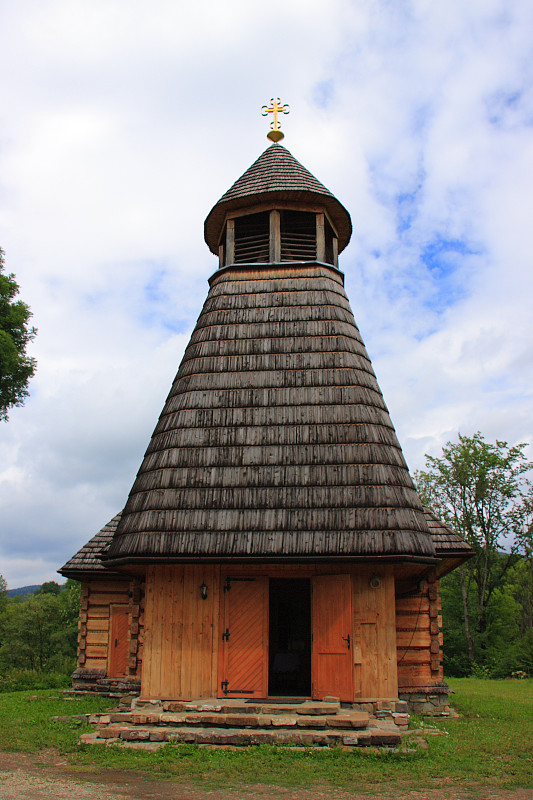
(289, 670)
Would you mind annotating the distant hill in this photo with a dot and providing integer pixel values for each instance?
(23, 590)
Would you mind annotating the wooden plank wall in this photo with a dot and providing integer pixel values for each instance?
(180, 650)
(419, 637)
(181, 640)
(374, 635)
(97, 598)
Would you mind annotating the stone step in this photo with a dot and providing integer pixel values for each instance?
(325, 737)
(308, 707)
(346, 720)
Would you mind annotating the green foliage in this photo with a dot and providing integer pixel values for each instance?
(484, 492)
(3, 593)
(39, 632)
(16, 368)
(17, 680)
(49, 587)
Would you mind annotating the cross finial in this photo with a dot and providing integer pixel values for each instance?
(276, 107)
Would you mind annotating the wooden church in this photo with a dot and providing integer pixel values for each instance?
(273, 544)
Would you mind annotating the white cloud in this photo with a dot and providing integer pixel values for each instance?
(123, 123)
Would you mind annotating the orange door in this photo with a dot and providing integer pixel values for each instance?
(119, 643)
(243, 662)
(332, 627)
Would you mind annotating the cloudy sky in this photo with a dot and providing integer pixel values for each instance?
(121, 125)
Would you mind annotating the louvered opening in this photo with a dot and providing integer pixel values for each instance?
(298, 236)
(252, 238)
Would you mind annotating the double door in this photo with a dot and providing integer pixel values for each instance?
(244, 637)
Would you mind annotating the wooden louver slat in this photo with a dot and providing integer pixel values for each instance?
(252, 239)
(298, 236)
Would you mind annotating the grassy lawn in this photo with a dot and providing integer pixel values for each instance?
(490, 745)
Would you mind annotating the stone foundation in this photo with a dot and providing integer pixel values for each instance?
(96, 680)
(432, 701)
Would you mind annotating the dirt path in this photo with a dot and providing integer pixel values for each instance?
(46, 776)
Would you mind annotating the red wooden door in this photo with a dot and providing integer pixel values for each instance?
(332, 628)
(243, 662)
(119, 642)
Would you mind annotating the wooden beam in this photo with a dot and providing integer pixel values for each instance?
(230, 241)
(335, 252)
(275, 236)
(320, 238)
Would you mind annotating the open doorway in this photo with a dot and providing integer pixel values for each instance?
(289, 672)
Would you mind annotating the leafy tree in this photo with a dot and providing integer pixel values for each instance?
(48, 587)
(16, 368)
(3, 593)
(482, 490)
(39, 632)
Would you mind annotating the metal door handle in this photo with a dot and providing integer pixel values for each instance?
(347, 640)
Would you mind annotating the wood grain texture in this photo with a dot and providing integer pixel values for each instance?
(332, 646)
(275, 439)
(244, 654)
(178, 660)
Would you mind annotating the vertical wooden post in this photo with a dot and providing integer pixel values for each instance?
(230, 241)
(221, 256)
(335, 252)
(275, 237)
(320, 238)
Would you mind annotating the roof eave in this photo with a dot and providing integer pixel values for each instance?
(340, 218)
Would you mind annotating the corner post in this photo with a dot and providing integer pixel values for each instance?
(275, 237)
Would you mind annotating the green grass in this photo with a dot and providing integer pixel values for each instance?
(490, 745)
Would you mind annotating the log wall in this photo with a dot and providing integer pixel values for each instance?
(419, 638)
(98, 598)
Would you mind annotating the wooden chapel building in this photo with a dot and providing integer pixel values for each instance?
(273, 543)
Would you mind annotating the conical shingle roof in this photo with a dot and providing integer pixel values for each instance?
(276, 175)
(275, 440)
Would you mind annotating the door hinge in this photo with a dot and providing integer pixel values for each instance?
(224, 686)
(225, 635)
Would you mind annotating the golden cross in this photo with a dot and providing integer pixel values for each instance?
(276, 108)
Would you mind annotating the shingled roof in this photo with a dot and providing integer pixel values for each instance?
(88, 559)
(447, 542)
(276, 175)
(275, 441)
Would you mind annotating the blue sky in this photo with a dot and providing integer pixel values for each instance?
(122, 124)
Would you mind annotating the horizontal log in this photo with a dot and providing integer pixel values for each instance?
(110, 586)
(101, 599)
(412, 622)
(406, 605)
(98, 624)
(411, 671)
(98, 612)
(97, 637)
(96, 651)
(410, 657)
(95, 662)
(413, 639)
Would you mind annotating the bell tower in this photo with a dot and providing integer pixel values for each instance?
(277, 212)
